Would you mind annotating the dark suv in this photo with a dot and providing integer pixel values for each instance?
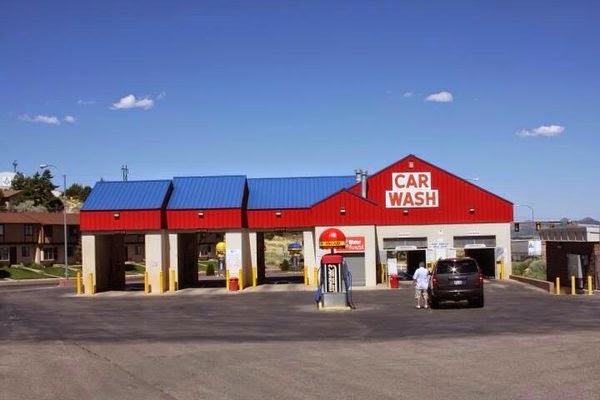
(456, 279)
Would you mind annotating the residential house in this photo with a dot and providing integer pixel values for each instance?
(37, 237)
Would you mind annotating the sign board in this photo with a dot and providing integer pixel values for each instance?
(354, 244)
(234, 259)
(392, 266)
(534, 248)
(411, 190)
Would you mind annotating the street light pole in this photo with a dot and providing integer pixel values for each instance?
(65, 225)
(531, 208)
(64, 199)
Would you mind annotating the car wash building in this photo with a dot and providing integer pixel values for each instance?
(408, 212)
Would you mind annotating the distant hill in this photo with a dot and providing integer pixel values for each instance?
(588, 221)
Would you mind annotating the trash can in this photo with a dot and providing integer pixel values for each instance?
(233, 284)
(393, 281)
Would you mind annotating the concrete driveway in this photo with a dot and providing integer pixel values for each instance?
(272, 343)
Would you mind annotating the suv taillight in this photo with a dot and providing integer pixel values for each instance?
(434, 281)
(480, 280)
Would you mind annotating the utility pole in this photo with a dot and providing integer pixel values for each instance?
(125, 172)
(14, 164)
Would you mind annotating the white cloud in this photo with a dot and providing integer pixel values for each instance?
(161, 95)
(44, 119)
(47, 119)
(86, 102)
(542, 130)
(440, 97)
(407, 94)
(130, 101)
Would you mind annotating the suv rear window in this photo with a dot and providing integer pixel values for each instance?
(459, 267)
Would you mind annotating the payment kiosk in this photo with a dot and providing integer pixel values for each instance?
(335, 280)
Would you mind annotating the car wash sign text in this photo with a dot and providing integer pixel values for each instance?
(411, 190)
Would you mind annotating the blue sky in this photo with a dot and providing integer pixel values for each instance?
(504, 91)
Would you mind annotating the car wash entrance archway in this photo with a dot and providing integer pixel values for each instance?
(482, 249)
(107, 265)
(486, 259)
(279, 257)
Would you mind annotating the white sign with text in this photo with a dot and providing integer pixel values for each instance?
(411, 190)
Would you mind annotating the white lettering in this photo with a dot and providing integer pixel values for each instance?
(411, 180)
(411, 190)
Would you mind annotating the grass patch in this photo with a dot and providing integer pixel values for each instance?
(15, 272)
(530, 268)
(208, 264)
(59, 271)
(132, 268)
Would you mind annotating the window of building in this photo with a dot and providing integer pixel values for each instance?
(73, 231)
(28, 231)
(4, 254)
(25, 251)
(48, 253)
(48, 231)
(69, 251)
(1, 232)
(137, 250)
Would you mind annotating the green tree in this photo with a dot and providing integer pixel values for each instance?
(78, 192)
(38, 189)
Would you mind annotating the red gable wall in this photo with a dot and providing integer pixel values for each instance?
(455, 198)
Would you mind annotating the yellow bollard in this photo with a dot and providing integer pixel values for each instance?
(78, 282)
(315, 277)
(241, 278)
(172, 286)
(557, 287)
(589, 281)
(500, 269)
(146, 283)
(382, 272)
(254, 274)
(226, 278)
(572, 284)
(305, 273)
(90, 284)
(161, 283)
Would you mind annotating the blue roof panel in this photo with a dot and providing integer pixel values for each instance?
(127, 195)
(293, 192)
(207, 192)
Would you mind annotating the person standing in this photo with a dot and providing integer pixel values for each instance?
(421, 279)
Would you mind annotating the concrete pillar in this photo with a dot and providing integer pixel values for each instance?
(238, 255)
(370, 256)
(173, 251)
(157, 260)
(253, 248)
(88, 261)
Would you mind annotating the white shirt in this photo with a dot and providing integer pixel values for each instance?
(421, 276)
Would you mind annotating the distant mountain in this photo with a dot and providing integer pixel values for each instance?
(588, 221)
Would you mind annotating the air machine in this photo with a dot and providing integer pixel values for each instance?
(334, 278)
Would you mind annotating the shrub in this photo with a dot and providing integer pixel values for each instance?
(285, 265)
(210, 269)
(536, 269)
(34, 265)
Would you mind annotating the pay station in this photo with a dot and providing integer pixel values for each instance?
(335, 281)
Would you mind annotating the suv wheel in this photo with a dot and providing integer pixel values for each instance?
(477, 302)
(434, 302)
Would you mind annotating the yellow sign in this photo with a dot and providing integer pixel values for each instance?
(332, 243)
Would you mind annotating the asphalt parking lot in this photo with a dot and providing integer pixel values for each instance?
(271, 342)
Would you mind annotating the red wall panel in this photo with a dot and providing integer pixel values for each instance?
(456, 198)
(211, 219)
(127, 220)
(290, 218)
